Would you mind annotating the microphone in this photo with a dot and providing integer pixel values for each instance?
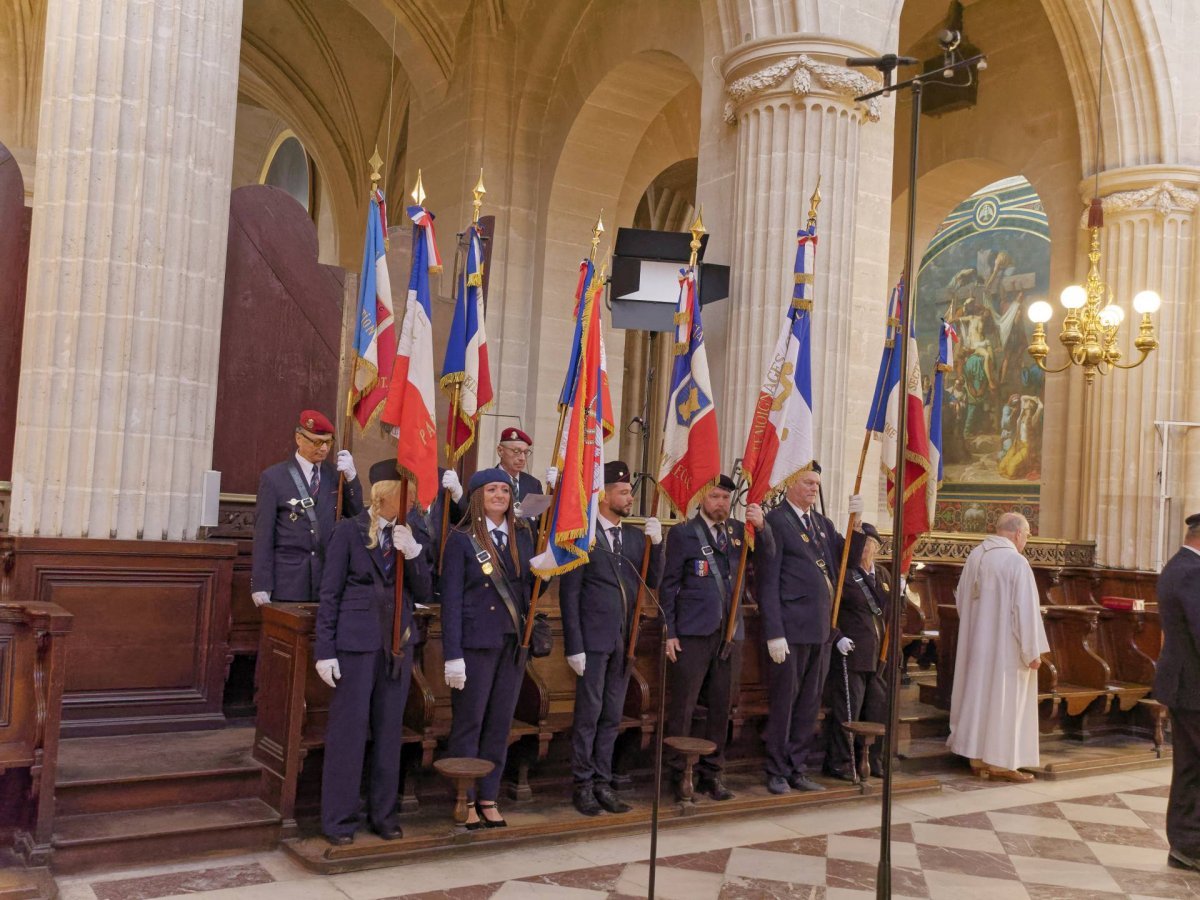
(885, 63)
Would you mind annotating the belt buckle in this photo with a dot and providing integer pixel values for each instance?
(308, 503)
(708, 552)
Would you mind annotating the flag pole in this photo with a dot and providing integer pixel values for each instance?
(544, 525)
(348, 422)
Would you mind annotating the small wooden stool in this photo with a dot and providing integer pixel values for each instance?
(869, 732)
(691, 749)
(1158, 719)
(464, 771)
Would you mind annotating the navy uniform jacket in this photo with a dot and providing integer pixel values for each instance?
(691, 601)
(795, 593)
(287, 554)
(597, 603)
(856, 620)
(1177, 673)
(358, 597)
(473, 613)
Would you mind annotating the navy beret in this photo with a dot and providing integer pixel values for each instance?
(384, 470)
(488, 476)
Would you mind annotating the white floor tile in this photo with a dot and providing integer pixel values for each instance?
(957, 838)
(841, 846)
(1081, 876)
(529, 890)
(314, 889)
(952, 886)
(670, 884)
(1102, 815)
(773, 866)
(1122, 856)
(1144, 802)
(1057, 828)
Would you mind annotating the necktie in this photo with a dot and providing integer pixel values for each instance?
(498, 537)
(315, 484)
(614, 538)
(807, 524)
(720, 538)
(388, 548)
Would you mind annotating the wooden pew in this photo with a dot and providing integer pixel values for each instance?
(32, 675)
(1132, 668)
(1081, 676)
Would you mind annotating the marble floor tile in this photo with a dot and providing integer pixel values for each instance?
(855, 875)
(865, 850)
(1173, 883)
(712, 861)
(1047, 847)
(1125, 857)
(597, 878)
(953, 838)
(756, 889)
(311, 889)
(817, 845)
(1096, 784)
(473, 892)
(772, 866)
(670, 884)
(79, 890)
(1118, 834)
(965, 862)
(975, 801)
(1084, 876)
(149, 887)
(1103, 815)
(957, 886)
(1059, 828)
(528, 890)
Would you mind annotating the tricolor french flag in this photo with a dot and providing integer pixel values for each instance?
(691, 458)
(780, 443)
(947, 338)
(466, 375)
(410, 401)
(374, 336)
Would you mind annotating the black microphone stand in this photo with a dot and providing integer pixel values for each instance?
(887, 65)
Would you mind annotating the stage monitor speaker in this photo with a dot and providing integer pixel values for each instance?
(644, 288)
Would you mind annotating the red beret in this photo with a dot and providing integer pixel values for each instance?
(312, 421)
(515, 434)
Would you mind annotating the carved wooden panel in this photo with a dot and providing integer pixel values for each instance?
(150, 645)
(14, 265)
(281, 334)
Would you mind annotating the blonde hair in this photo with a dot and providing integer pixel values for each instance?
(380, 493)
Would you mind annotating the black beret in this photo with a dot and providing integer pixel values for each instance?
(726, 483)
(871, 531)
(616, 472)
(816, 467)
(1193, 521)
(384, 470)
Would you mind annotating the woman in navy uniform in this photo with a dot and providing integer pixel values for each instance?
(353, 651)
(485, 586)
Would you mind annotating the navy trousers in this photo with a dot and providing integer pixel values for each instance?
(866, 701)
(366, 703)
(599, 703)
(1183, 806)
(698, 666)
(794, 704)
(483, 710)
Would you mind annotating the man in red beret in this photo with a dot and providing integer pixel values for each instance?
(514, 451)
(295, 512)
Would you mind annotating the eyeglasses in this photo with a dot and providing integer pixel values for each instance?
(516, 452)
(317, 442)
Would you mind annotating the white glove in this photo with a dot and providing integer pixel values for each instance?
(577, 662)
(261, 598)
(778, 648)
(345, 464)
(654, 530)
(551, 477)
(402, 537)
(856, 504)
(456, 673)
(451, 483)
(845, 646)
(329, 671)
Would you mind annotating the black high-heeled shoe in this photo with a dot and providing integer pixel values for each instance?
(480, 806)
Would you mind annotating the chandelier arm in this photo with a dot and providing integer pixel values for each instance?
(1145, 355)
(1045, 368)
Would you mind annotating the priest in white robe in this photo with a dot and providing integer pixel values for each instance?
(993, 707)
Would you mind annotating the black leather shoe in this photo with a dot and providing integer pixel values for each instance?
(585, 801)
(876, 770)
(1177, 859)
(715, 788)
(390, 832)
(804, 783)
(840, 774)
(777, 784)
(340, 840)
(480, 806)
(607, 797)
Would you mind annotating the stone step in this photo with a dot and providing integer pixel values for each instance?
(163, 834)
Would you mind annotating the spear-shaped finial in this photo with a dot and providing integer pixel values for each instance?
(477, 194)
(418, 191)
(698, 232)
(813, 202)
(597, 231)
(375, 162)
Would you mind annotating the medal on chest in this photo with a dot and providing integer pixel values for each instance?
(701, 567)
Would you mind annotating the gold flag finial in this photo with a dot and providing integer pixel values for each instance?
(813, 202)
(418, 191)
(597, 231)
(477, 194)
(375, 162)
(697, 231)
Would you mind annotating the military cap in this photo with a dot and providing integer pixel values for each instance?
(872, 532)
(488, 476)
(616, 472)
(315, 423)
(1193, 521)
(515, 434)
(816, 467)
(726, 483)
(384, 470)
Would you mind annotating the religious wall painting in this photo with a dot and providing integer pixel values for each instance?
(988, 261)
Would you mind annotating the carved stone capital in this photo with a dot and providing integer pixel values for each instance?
(804, 71)
(1164, 198)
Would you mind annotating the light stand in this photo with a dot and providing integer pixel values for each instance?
(887, 65)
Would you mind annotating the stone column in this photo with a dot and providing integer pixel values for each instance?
(1147, 243)
(792, 101)
(126, 269)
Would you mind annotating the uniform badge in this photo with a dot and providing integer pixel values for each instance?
(737, 542)
(487, 568)
(804, 537)
(700, 567)
(293, 517)
(517, 508)
(821, 563)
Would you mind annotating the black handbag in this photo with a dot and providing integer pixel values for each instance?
(541, 641)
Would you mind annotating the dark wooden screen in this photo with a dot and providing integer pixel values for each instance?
(14, 266)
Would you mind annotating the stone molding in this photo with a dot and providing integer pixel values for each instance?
(1164, 198)
(1041, 552)
(802, 68)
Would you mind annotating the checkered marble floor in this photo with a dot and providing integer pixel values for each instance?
(1087, 838)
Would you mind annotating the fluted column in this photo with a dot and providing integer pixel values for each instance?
(792, 101)
(1148, 243)
(126, 268)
